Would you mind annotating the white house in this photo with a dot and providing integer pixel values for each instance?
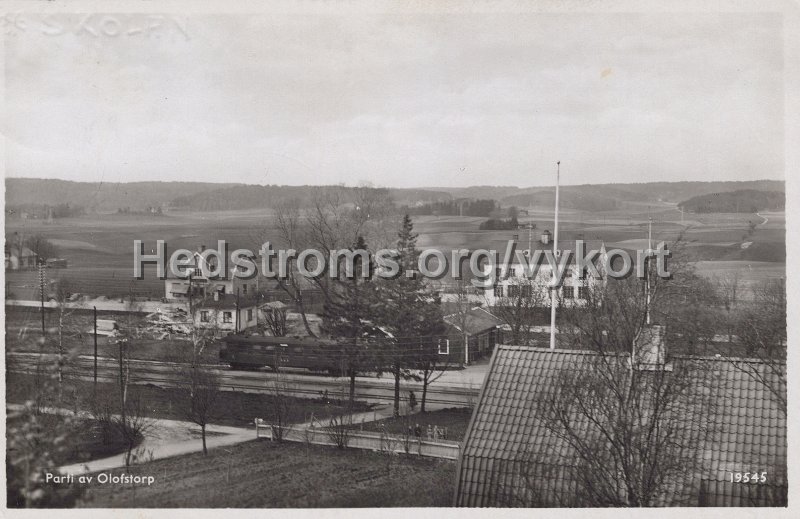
(178, 289)
(511, 281)
(223, 313)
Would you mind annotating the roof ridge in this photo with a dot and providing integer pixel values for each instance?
(517, 347)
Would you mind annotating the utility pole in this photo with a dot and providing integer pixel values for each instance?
(554, 288)
(191, 313)
(41, 290)
(530, 239)
(95, 347)
(237, 311)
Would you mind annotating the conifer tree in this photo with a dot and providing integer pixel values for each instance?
(409, 309)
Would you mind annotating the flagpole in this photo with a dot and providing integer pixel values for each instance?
(649, 251)
(554, 288)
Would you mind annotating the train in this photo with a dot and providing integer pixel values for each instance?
(250, 352)
(247, 352)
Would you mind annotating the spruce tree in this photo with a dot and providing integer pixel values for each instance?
(409, 309)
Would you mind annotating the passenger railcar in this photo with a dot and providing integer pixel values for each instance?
(256, 351)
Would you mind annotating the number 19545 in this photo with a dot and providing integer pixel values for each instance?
(748, 477)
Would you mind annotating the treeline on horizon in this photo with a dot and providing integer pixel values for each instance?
(740, 201)
(479, 207)
(37, 196)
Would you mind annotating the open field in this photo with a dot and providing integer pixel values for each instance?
(99, 248)
(280, 475)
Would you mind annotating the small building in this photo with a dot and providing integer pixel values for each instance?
(20, 258)
(512, 457)
(478, 327)
(223, 313)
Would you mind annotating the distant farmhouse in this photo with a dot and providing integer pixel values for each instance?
(521, 450)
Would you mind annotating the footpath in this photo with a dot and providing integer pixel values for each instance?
(168, 438)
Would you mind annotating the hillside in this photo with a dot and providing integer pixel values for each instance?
(21, 194)
(640, 192)
(100, 196)
(741, 201)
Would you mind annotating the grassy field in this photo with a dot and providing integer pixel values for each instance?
(230, 408)
(279, 475)
(100, 248)
(454, 419)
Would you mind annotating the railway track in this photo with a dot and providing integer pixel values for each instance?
(306, 386)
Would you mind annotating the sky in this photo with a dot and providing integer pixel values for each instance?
(400, 99)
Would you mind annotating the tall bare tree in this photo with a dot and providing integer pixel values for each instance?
(518, 305)
(333, 220)
(630, 420)
(274, 319)
(761, 332)
(66, 331)
(202, 387)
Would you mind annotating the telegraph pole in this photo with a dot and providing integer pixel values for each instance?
(554, 288)
(41, 290)
(95, 347)
(237, 311)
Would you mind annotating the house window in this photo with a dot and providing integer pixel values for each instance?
(244, 288)
(204, 316)
(568, 292)
(512, 272)
(444, 346)
(527, 291)
(498, 291)
(583, 292)
(250, 314)
(513, 291)
(227, 317)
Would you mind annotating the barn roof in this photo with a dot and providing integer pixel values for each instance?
(749, 427)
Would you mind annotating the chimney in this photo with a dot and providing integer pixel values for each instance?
(650, 349)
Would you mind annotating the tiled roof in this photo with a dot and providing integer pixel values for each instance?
(747, 429)
(477, 320)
